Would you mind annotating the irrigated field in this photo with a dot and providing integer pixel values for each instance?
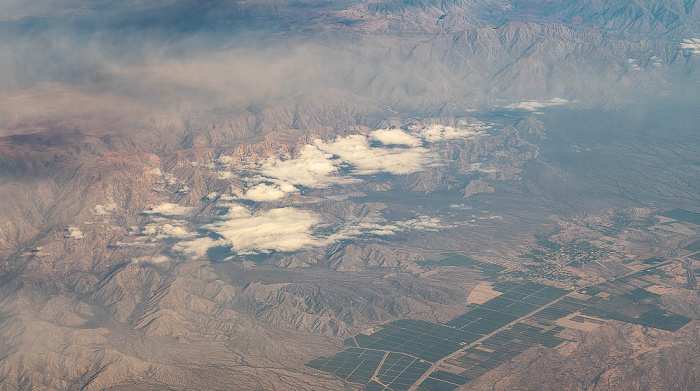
(414, 354)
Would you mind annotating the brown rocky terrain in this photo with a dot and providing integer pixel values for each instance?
(210, 195)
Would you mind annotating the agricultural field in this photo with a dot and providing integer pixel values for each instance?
(693, 247)
(424, 340)
(489, 270)
(523, 315)
(683, 215)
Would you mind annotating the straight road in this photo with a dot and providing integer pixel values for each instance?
(437, 364)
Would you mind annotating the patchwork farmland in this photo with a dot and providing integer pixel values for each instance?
(417, 355)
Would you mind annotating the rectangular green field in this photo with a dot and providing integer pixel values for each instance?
(402, 373)
(449, 377)
(424, 340)
(683, 215)
(693, 247)
(450, 259)
(352, 365)
(431, 384)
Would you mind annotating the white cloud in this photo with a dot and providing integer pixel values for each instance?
(355, 150)
(424, 223)
(263, 192)
(198, 247)
(325, 163)
(152, 259)
(375, 225)
(283, 229)
(167, 230)
(286, 230)
(233, 196)
(479, 167)
(436, 133)
(171, 179)
(312, 168)
(395, 137)
(236, 211)
(75, 233)
(224, 159)
(102, 210)
(169, 209)
(317, 165)
(366, 225)
(224, 174)
(534, 105)
(691, 45)
(633, 65)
